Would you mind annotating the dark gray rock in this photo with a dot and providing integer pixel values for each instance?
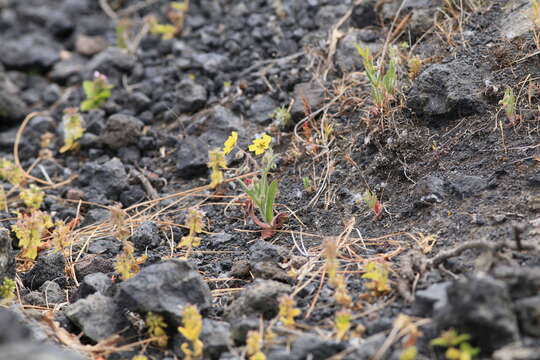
(121, 130)
(363, 14)
(528, 312)
(52, 293)
(314, 347)
(468, 185)
(451, 90)
(262, 109)
(146, 236)
(93, 264)
(422, 14)
(32, 51)
(16, 331)
(69, 71)
(259, 298)
(7, 257)
(49, 265)
(312, 93)
(112, 62)
(108, 179)
(24, 351)
(190, 96)
(165, 288)
(192, 157)
(211, 63)
(517, 352)
(94, 283)
(240, 328)
(480, 306)
(347, 58)
(329, 15)
(108, 245)
(522, 281)
(95, 216)
(429, 190)
(215, 335)
(430, 300)
(368, 348)
(214, 125)
(34, 298)
(264, 260)
(12, 108)
(97, 315)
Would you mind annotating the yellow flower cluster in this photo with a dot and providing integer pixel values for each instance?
(261, 144)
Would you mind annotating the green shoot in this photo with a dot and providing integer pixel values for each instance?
(73, 129)
(254, 346)
(458, 347)
(288, 311)
(156, 328)
(342, 323)
(262, 192)
(282, 116)
(373, 203)
(7, 290)
(97, 92)
(383, 87)
(194, 222)
(509, 103)
(192, 321)
(32, 196)
(29, 230)
(216, 162)
(11, 172)
(378, 274)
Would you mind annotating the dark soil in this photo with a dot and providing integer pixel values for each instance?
(458, 181)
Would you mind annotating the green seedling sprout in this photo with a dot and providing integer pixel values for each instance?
(97, 91)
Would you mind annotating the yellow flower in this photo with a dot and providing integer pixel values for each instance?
(230, 143)
(260, 145)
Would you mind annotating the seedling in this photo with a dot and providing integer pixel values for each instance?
(176, 15)
(458, 347)
(262, 193)
(73, 129)
(342, 324)
(127, 265)
(156, 328)
(7, 290)
(96, 91)
(336, 280)
(378, 274)
(216, 162)
(383, 87)
(288, 311)
(308, 184)
(60, 237)
(254, 346)
(194, 222)
(282, 116)
(415, 65)
(3, 199)
(11, 172)
(29, 229)
(32, 197)
(509, 104)
(373, 203)
(191, 330)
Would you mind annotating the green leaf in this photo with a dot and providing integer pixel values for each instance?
(270, 198)
(88, 104)
(89, 88)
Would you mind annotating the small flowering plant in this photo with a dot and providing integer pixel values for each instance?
(97, 91)
(261, 191)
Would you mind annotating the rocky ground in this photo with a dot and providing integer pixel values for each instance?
(455, 181)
